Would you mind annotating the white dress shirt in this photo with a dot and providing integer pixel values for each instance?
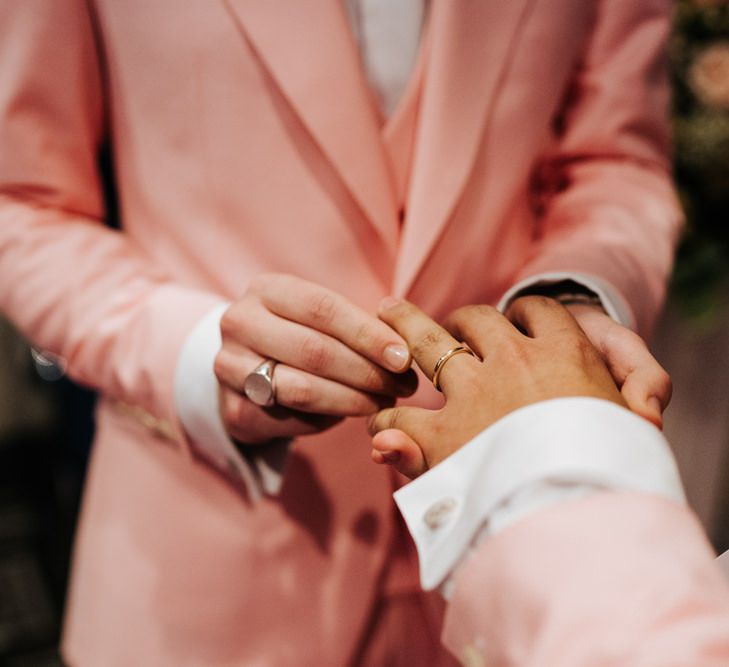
(536, 456)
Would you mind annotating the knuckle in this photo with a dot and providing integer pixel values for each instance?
(228, 323)
(476, 310)
(363, 336)
(322, 308)
(664, 382)
(233, 410)
(427, 342)
(220, 366)
(393, 417)
(465, 315)
(298, 394)
(315, 354)
(372, 378)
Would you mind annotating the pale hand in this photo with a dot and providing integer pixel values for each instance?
(551, 358)
(334, 360)
(644, 384)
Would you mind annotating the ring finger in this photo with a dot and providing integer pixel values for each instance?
(427, 340)
(299, 390)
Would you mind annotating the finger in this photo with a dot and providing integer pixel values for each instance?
(428, 341)
(541, 316)
(326, 311)
(301, 347)
(305, 392)
(644, 384)
(647, 394)
(399, 450)
(298, 389)
(412, 420)
(480, 326)
(249, 424)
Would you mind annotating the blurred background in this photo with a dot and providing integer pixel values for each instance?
(46, 422)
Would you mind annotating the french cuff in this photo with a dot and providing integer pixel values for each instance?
(610, 299)
(571, 441)
(197, 403)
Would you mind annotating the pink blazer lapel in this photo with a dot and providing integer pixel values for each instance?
(309, 50)
(465, 65)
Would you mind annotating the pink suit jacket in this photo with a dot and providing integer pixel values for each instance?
(616, 580)
(532, 138)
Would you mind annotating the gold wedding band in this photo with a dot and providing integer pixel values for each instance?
(459, 349)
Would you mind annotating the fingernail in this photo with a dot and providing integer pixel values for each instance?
(397, 357)
(391, 456)
(388, 302)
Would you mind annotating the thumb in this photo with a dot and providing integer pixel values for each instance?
(399, 450)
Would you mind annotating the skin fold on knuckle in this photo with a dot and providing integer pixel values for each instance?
(233, 411)
(363, 338)
(371, 378)
(315, 357)
(468, 314)
(665, 386)
(221, 367)
(296, 393)
(229, 324)
(428, 344)
(321, 309)
(383, 420)
(397, 314)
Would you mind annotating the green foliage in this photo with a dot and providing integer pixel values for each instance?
(699, 52)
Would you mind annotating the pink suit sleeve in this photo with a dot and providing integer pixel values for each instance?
(71, 284)
(615, 580)
(604, 195)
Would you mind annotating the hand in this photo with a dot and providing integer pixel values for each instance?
(645, 386)
(335, 360)
(552, 358)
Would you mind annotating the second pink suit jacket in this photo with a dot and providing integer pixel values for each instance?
(245, 139)
(616, 580)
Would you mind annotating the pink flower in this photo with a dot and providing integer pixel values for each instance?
(709, 75)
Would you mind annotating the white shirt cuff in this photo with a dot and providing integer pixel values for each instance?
(567, 441)
(610, 298)
(196, 401)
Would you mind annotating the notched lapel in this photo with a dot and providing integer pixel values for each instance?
(310, 52)
(471, 45)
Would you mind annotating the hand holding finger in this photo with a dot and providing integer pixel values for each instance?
(323, 310)
(297, 389)
(256, 329)
(644, 384)
(427, 340)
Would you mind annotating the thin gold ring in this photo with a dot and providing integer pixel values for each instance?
(459, 349)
